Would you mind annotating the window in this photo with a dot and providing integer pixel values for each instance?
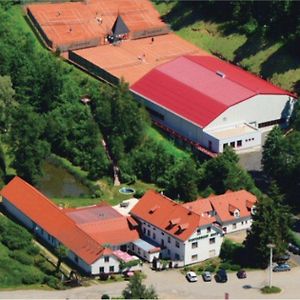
(177, 257)
(106, 258)
(198, 231)
(49, 236)
(194, 245)
(234, 226)
(239, 143)
(225, 145)
(144, 230)
(42, 231)
(194, 257)
(148, 232)
(76, 258)
(270, 123)
(154, 228)
(162, 233)
(208, 229)
(242, 222)
(212, 253)
(232, 144)
(101, 270)
(212, 240)
(111, 268)
(177, 244)
(154, 235)
(169, 239)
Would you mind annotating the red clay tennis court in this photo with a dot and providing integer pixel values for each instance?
(132, 59)
(75, 25)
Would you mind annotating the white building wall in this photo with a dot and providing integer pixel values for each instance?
(113, 262)
(79, 262)
(238, 225)
(251, 139)
(173, 121)
(174, 248)
(208, 245)
(258, 109)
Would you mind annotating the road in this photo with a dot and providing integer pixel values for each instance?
(171, 284)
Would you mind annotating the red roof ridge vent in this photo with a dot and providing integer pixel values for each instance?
(221, 74)
(183, 226)
(174, 221)
(154, 208)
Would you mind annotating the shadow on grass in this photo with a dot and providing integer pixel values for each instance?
(281, 61)
(254, 43)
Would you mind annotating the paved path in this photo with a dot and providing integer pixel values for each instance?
(172, 284)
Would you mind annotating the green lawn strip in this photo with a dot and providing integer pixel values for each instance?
(169, 145)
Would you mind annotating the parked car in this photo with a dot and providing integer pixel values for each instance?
(206, 276)
(241, 274)
(191, 276)
(282, 268)
(294, 249)
(283, 258)
(221, 276)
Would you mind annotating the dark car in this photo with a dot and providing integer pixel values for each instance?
(283, 258)
(221, 276)
(282, 268)
(241, 274)
(294, 249)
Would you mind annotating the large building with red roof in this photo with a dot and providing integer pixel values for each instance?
(212, 102)
(232, 210)
(94, 235)
(184, 236)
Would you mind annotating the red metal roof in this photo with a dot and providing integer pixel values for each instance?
(200, 88)
(48, 216)
(169, 216)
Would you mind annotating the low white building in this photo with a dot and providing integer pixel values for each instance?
(213, 103)
(83, 231)
(182, 235)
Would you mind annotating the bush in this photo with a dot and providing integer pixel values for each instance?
(210, 268)
(139, 193)
(31, 276)
(105, 296)
(270, 290)
(22, 257)
(51, 281)
(33, 250)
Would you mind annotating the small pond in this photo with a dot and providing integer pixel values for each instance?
(126, 190)
(57, 182)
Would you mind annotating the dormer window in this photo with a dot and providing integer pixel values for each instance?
(236, 213)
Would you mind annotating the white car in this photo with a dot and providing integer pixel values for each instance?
(191, 276)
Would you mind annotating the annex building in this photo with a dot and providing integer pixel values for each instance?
(100, 239)
(212, 102)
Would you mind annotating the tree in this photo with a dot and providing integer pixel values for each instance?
(271, 224)
(7, 102)
(26, 143)
(61, 252)
(136, 290)
(181, 180)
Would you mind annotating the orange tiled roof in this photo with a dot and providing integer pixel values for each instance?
(48, 216)
(225, 204)
(199, 206)
(169, 215)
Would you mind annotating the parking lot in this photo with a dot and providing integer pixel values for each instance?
(172, 284)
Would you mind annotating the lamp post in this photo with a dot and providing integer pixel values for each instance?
(270, 246)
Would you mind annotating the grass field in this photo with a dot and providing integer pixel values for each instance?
(274, 60)
(168, 144)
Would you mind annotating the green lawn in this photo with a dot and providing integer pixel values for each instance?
(274, 60)
(167, 143)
